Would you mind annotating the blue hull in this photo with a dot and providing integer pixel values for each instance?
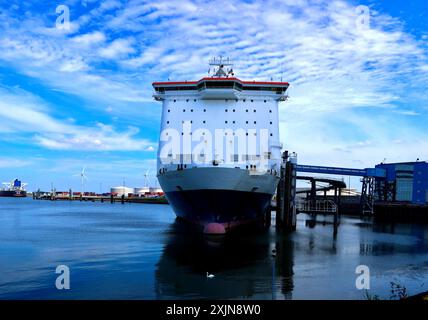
(219, 206)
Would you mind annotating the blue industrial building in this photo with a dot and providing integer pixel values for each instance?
(404, 182)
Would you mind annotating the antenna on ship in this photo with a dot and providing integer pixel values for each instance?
(219, 63)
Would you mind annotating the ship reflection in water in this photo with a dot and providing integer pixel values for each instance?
(243, 265)
(139, 251)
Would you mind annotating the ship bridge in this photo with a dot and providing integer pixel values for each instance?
(220, 88)
(221, 85)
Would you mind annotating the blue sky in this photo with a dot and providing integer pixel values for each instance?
(83, 97)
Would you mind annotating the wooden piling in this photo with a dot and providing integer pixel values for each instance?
(280, 193)
(286, 194)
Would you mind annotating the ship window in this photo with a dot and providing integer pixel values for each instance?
(252, 100)
(271, 134)
(175, 100)
(265, 101)
(233, 110)
(194, 100)
(182, 134)
(225, 122)
(184, 110)
(246, 122)
(167, 122)
(246, 134)
(236, 100)
(191, 110)
(205, 110)
(244, 100)
(270, 111)
(203, 121)
(233, 122)
(220, 84)
(255, 122)
(191, 121)
(187, 100)
(169, 110)
(254, 110)
(271, 122)
(225, 110)
(225, 133)
(246, 110)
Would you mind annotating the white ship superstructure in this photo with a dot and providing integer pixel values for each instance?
(219, 152)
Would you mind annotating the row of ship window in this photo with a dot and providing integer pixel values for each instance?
(225, 110)
(226, 100)
(246, 122)
(203, 133)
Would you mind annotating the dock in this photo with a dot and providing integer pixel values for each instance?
(393, 192)
(99, 198)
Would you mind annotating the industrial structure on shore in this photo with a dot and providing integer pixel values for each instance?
(389, 190)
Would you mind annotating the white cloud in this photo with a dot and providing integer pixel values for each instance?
(31, 116)
(89, 39)
(334, 67)
(6, 163)
(119, 47)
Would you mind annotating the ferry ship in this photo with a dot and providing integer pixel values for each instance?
(219, 152)
(13, 189)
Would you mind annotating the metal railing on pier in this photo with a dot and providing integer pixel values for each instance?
(321, 206)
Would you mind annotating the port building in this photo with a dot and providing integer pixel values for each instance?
(404, 182)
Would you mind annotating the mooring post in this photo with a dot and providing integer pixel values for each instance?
(286, 193)
(313, 191)
(290, 204)
(280, 193)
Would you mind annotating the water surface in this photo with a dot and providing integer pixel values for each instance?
(139, 251)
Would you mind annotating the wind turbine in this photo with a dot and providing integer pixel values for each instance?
(146, 179)
(83, 177)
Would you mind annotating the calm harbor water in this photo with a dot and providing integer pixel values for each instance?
(139, 251)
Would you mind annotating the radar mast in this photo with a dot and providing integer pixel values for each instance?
(219, 64)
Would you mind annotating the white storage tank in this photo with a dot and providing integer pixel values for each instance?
(156, 190)
(122, 190)
(142, 191)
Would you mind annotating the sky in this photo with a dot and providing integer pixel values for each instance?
(79, 94)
